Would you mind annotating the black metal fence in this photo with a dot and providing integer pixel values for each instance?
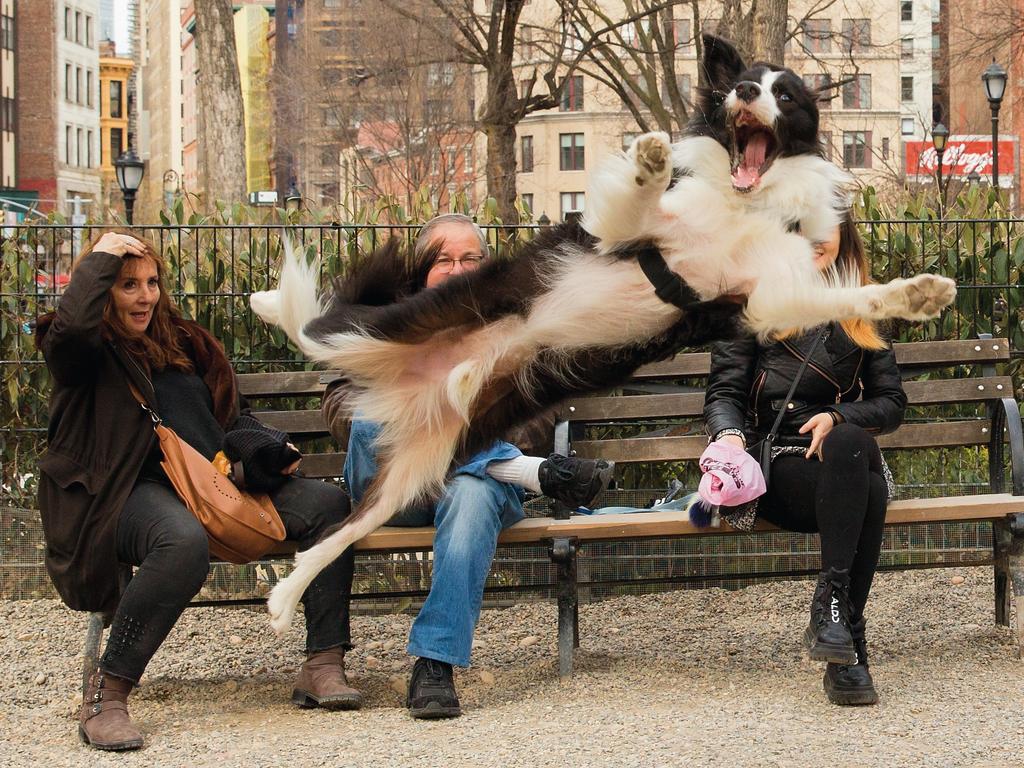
(214, 268)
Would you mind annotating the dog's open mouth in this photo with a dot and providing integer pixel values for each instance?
(753, 150)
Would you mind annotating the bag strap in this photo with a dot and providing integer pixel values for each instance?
(157, 421)
(774, 431)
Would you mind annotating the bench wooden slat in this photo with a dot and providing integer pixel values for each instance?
(284, 384)
(910, 354)
(536, 530)
(690, 447)
(688, 404)
(307, 422)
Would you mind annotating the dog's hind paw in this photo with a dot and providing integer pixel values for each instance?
(652, 154)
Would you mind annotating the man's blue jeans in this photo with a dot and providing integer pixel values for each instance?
(468, 517)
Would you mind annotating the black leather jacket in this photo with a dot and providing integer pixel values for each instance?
(749, 382)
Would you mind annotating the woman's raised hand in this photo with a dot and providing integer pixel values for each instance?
(120, 245)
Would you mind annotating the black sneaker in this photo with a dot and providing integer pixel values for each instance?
(828, 636)
(432, 690)
(574, 482)
(851, 684)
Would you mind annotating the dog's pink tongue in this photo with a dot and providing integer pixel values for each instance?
(749, 171)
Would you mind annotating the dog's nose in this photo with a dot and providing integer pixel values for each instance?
(747, 91)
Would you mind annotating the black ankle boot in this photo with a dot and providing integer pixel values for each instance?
(574, 482)
(828, 636)
(851, 684)
(432, 690)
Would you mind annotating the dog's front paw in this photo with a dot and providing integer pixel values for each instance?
(281, 608)
(921, 297)
(652, 155)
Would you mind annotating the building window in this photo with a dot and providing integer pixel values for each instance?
(7, 33)
(817, 35)
(329, 118)
(570, 202)
(67, 24)
(682, 83)
(907, 126)
(442, 73)
(907, 88)
(88, 149)
(856, 35)
(116, 145)
(857, 149)
(526, 154)
(572, 94)
(907, 48)
(627, 140)
(857, 93)
(67, 144)
(88, 88)
(906, 10)
(820, 82)
(78, 26)
(67, 82)
(885, 148)
(467, 159)
(78, 85)
(571, 154)
(679, 33)
(332, 3)
(78, 147)
(528, 203)
(526, 38)
(116, 106)
(7, 113)
(88, 31)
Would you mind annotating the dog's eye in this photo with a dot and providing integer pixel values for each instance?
(785, 97)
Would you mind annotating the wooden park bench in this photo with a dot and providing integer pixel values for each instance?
(938, 375)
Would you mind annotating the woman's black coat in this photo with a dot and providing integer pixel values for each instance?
(749, 382)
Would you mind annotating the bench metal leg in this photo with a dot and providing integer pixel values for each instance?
(1015, 558)
(1002, 539)
(91, 655)
(563, 555)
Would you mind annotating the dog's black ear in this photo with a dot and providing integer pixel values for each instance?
(722, 63)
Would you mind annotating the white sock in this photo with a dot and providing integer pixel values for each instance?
(522, 470)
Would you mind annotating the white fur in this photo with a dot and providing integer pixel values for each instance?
(720, 241)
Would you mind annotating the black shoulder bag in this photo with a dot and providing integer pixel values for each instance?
(764, 448)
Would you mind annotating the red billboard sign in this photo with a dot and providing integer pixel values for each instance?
(963, 155)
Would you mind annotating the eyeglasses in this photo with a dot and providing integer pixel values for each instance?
(446, 265)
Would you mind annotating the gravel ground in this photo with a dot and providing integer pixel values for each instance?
(692, 677)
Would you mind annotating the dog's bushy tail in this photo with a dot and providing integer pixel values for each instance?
(297, 300)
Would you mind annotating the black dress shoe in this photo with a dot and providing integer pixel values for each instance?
(574, 482)
(432, 690)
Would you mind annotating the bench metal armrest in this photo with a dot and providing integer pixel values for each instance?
(1006, 415)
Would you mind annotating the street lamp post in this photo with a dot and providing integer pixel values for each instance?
(994, 78)
(129, 171)
(940, 134)
(293, 199)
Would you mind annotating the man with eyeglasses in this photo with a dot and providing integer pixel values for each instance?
(482, 497)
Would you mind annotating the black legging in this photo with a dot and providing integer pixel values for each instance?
(842, 497)
(157, 533)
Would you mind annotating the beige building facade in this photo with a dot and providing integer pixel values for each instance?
(558, 149)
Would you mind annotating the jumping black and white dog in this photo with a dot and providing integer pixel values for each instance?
(733, 209)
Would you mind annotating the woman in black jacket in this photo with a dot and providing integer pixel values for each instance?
(827, 474)
(105, 500)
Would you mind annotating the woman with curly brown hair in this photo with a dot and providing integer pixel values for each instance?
(107, 503)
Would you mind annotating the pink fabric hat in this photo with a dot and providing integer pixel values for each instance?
(731, 475)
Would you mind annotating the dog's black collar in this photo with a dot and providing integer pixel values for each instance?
(668, 286)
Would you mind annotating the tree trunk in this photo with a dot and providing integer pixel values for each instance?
(221, 115)
(769, 30)
(498, 123)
